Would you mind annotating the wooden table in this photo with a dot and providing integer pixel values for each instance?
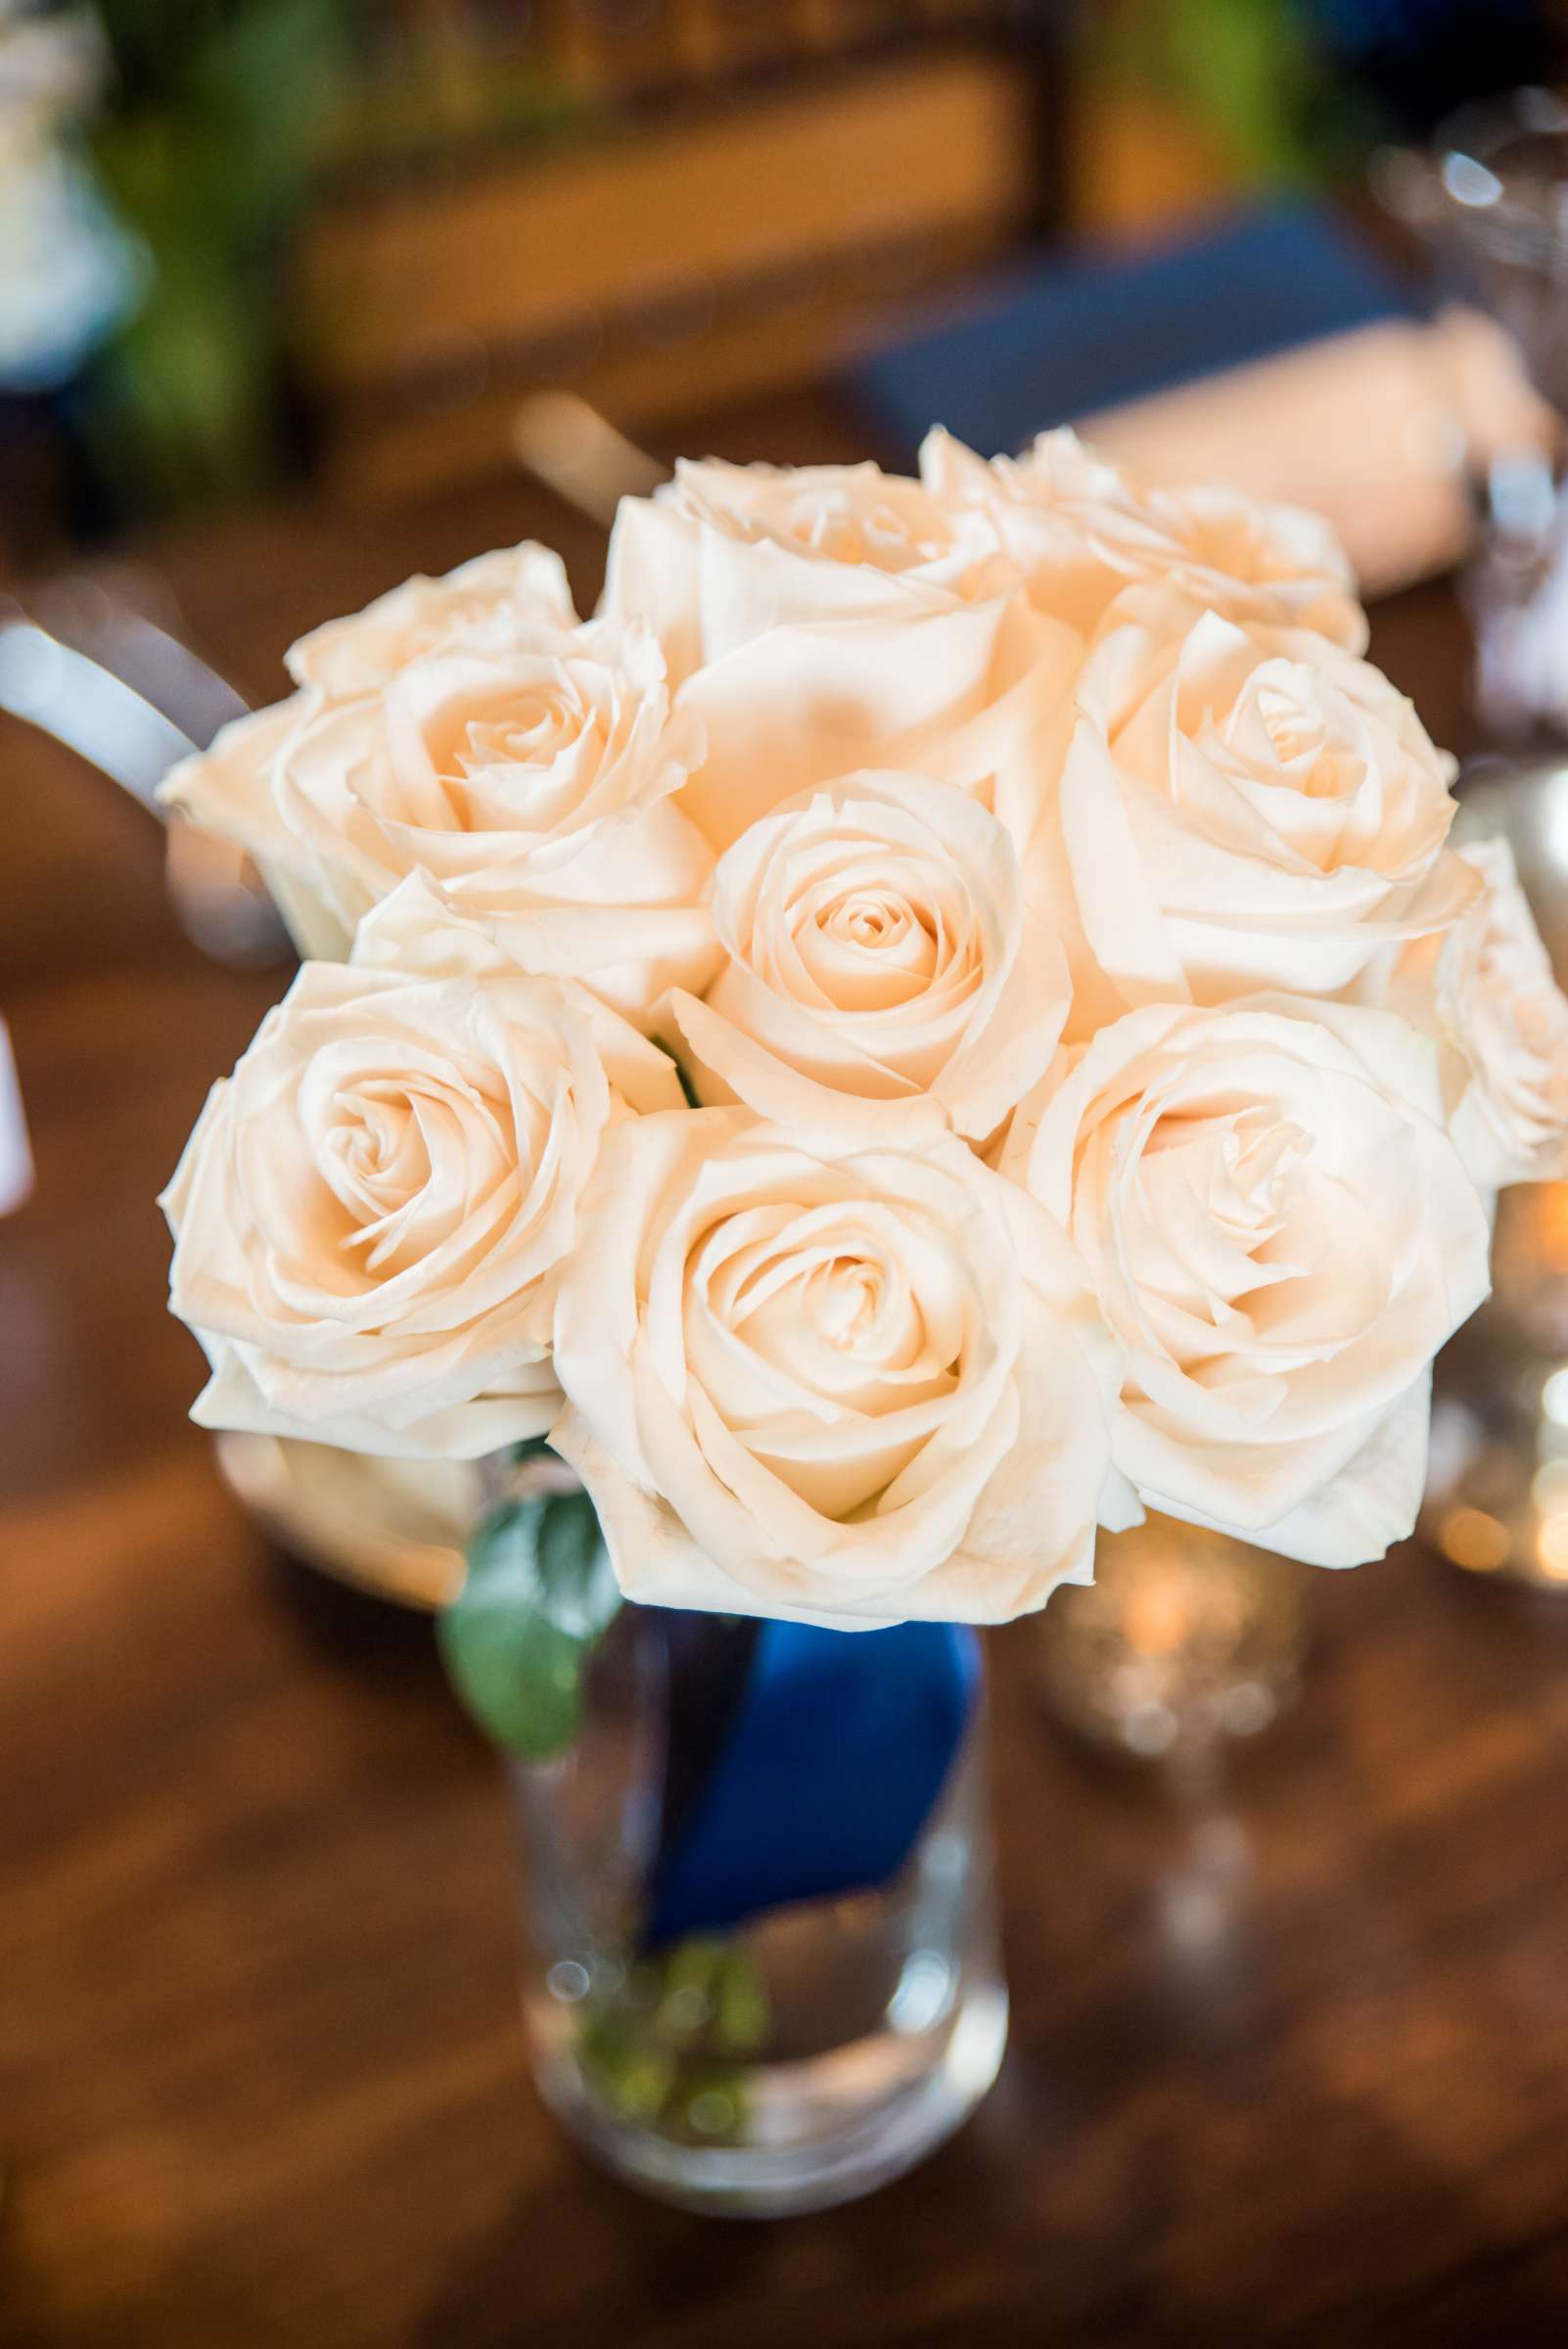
(261, 2082)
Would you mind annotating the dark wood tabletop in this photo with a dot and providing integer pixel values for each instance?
(261, 2077)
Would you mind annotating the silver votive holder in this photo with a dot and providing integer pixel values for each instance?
(1185, 1640)
(1496, 1490)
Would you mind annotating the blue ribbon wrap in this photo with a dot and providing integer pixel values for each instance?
(830, 1757)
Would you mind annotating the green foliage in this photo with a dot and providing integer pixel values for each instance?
(517, 1641)
(670, 2049)
(1250, 69)
(221, 119)
(1244, 62)
(218, 119)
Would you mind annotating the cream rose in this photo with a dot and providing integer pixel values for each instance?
(1280, 1235)
(536, 788)
(1240, 807)
(1079, 533)
(485, 606)
(225, 790)
(881, 973)
(847, 1389)
(372, 1213)
(727, 553)
(838, 618)
(1485, 990)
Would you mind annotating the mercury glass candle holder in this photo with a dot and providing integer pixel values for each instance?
(1185, 1639)
(1497, 1495)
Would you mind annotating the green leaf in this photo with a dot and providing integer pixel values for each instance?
(744, 2018)
(669, 2048)
(517, 1640)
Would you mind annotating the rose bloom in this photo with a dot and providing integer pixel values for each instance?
(535, 785)
(1280, 1234)
(724, 553)
(881, 971)
(373, 1210)
(849, 1389)
(1241, 807)
(487, 605)
(1484, 989)
(836, 618)
(1080, 532)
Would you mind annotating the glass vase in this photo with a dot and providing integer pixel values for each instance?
(1488, 198)
(763, 1971)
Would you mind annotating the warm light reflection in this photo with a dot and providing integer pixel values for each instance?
(1551, 1547)
(1159, 1615)
(1552, 1223)
(1530, 1245)
(1473, 1540)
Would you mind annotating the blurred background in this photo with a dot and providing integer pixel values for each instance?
(253, 243)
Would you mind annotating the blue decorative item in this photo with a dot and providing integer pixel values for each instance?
(836, 1753)
(1052, 343)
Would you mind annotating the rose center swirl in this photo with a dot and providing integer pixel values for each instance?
(1213, 1217)
(522, 760)
(407, 1159)
(851, 942)
(832, 525)
(827, 1342)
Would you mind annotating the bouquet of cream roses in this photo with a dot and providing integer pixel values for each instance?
(943, 1016)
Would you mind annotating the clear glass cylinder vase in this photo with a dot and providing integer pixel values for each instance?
(721, 2048)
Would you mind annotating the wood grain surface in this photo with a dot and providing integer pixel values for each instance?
(1295, 2070)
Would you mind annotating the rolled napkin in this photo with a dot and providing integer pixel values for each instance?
(1381, 431)
(1270, 350)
